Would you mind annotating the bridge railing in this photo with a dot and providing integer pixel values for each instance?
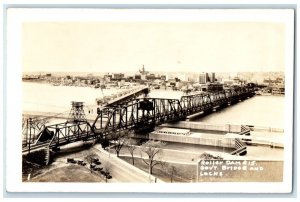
(141, 113)
(59, 134)
(154, 111)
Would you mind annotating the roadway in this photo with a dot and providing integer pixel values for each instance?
(121, 171)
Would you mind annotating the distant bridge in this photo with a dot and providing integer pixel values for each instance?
(123, 96)
(138, 115)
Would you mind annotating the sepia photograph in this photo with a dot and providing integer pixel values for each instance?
(151, 97)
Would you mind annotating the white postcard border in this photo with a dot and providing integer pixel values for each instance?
(15, 19)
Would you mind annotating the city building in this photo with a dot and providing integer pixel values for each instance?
(118, 76)
(163, 77)
(107, 77)
(211, 77)
(203, 78)
(183, 77)
(143, 77)
(150, 77)
(214, 87)
(227, 82)
(207, 77)
(137, 77)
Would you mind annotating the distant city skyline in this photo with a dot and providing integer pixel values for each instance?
(160, 46)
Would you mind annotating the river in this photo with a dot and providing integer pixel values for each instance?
(259, 111)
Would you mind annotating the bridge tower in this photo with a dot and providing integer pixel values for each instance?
(77, 113)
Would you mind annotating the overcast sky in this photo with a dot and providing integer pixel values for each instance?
(160, 46)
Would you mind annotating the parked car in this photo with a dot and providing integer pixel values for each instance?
(71, 160)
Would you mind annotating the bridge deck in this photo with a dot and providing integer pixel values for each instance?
(127, 95)
(141, 114)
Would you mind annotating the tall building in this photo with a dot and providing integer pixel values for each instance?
(207, 77)
(203, 78)
(212, 77)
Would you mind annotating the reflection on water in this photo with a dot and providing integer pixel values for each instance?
(259, 110)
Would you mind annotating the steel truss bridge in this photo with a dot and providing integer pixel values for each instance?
(138, 115)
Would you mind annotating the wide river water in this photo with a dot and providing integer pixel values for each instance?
(259, 111)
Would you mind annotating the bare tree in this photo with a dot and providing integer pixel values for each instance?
(171, 171)
(89, 157)
(120, 139)
(152, 149)
(131, 149)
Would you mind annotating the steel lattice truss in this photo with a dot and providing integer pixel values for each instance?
(140, 114)
(31, 127)
(64, 133)
(149, 112)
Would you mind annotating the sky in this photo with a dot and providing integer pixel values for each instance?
(160, 46)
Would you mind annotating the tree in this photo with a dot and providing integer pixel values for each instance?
(171, 171)
(131, 149)
(208, 156)
(120, 138)
(106, 170)
(89, 157)
(151, 149)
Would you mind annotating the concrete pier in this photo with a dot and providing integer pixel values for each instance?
(264, 136)
(209, 139)
(229, 128)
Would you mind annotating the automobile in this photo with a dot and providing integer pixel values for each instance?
(97, 163)
(71, 160)
(81, 163)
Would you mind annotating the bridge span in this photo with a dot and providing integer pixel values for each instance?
(135, 114)
(122, 96)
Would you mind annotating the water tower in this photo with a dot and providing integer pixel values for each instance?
(77, 113)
